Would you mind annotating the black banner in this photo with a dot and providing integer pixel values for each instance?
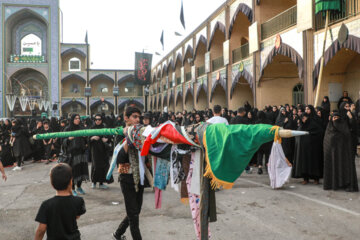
(143, 68)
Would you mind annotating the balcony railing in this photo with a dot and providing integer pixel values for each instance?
(217, 63)
(188, 76)
(350, 8)
(279, 23)
(240, 53)
(201, 70)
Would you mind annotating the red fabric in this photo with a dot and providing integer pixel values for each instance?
(168, 131)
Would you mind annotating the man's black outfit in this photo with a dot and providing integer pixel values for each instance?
(133, 201)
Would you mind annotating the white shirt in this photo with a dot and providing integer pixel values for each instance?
(217, 119)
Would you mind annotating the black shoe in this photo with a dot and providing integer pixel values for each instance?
(118, 238)
(260, 171)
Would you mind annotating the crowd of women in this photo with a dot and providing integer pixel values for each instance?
(327, 153)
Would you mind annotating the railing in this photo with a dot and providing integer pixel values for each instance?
(240, 53)
(279, 23)
(217, 63)
(188, 76)
(349, 8)
(201, 70)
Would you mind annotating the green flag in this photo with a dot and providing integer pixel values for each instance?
(324, 5)
(229, 149)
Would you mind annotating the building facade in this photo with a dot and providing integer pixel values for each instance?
(265, 52)
(37, 68)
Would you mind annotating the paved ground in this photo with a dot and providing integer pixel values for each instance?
(249, 211)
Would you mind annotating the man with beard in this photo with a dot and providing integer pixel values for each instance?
(339, 162)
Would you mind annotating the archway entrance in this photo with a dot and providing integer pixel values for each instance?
(341, 73)
(30, 83)
(102, 107)
(189, 102)
(202, 100)
(277, 83)
(242, 93)
(219, 97)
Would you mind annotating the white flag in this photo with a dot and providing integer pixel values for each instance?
(11, 99)
(23, 102)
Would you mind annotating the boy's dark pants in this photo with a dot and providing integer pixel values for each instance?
(133, 202)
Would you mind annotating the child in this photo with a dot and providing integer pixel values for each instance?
(57, 216)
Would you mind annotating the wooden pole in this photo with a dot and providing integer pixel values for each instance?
(322, 60)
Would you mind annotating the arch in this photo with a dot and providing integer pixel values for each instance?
(287, 51)
(170, 64)
(202, 40)
(165, 100)
(100, 102)
(204, 87)
(189, 50)
(171, 98)
(246, 75)
(154, 103)
(189, 101)
(189, 90)
(218, 26)
(72, 51)
(158, 72)
(154, 77)
(22, 23)
(24, 75)
(159, 103)
(101, 76)
(74, 75)
(242, 8)
(179, 94)
(130, 101)
(164, 69)
(126, 77)
(222, 83)
(71, 102)
(178, 58)
(352, 43)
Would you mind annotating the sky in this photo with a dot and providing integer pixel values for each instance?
(119, 28)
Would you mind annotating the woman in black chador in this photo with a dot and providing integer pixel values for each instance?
(339, 161)
(99, 155)
(20, 142)
(76, 146)
(286, 121)
(308, 156)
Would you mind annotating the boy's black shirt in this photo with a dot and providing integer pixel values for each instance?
(59, 214)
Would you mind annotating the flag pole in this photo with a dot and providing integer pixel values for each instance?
(322, 60)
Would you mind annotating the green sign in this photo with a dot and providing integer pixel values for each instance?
(28, 49)
(26, 59)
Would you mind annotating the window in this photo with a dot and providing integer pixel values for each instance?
(31, 45)
(74, 88)
(103, 88)
(298, 94)
(129, 87)
(74, 64)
